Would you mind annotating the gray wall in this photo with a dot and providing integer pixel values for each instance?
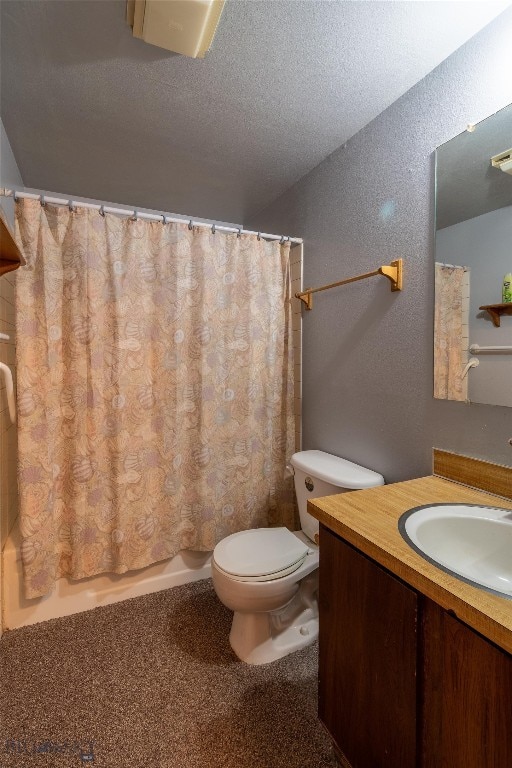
(10, 175)
(484, 245)
(367, 371)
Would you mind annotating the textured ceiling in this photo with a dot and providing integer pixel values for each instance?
(467, 184)
(91, 111)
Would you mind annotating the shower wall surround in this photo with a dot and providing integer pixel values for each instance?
(8, 486)
(9, 176)
(368, 353)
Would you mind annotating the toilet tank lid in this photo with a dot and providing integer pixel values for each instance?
(334, 470)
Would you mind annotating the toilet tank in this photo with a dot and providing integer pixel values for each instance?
(321, 474)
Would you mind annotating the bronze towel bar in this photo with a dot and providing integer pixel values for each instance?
(392, 271)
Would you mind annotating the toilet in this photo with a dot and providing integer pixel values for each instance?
(269, 576)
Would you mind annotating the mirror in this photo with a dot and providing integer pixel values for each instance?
(472, 345)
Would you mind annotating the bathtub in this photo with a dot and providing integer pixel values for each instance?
(70, 597)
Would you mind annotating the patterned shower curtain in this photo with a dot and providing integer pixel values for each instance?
(450, 356)
(155, 390)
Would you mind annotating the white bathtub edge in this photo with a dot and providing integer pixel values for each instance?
(70, 597)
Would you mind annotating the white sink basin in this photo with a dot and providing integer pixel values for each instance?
(471, 542)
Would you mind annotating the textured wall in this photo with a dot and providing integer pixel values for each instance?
(367, 372)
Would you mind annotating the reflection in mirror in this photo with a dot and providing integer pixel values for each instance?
(472, 345)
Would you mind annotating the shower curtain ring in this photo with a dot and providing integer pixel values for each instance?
(164, 219)
(71, 206)
(135, 216)
(191, 224)
(102, 210)
(281, 240)
(239, 232)
(259, 235)
(42, 200)
(15, 196)
(213, 229)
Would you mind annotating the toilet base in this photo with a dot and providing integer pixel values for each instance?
(259, 638)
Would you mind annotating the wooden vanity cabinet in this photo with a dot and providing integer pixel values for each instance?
(368, 652)
(403, 683)
(466, 696)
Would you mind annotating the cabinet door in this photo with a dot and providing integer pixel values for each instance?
(368, 622)
(467, 696)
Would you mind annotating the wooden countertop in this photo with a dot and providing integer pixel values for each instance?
(369, 521)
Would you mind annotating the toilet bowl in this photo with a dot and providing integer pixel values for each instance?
(269, 576)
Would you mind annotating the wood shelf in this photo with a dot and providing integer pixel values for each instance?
(496, 311)
(10, 255)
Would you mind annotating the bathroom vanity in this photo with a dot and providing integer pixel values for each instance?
(415, 664)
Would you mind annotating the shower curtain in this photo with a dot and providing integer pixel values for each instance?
(450, 312)
(155, 390)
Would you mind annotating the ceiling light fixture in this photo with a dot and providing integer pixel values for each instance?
(503, 161)
(182, 26)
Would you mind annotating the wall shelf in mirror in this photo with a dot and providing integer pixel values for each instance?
(10, 255)
(496, 311)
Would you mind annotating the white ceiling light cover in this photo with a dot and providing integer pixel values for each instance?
(182, 26)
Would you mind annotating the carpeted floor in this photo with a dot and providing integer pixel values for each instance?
(153, 682)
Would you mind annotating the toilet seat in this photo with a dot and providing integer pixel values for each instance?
(266, 577)
(260, 554)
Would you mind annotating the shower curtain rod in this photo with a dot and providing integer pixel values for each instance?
(165, 218)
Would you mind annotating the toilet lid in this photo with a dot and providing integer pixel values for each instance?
(259, 552)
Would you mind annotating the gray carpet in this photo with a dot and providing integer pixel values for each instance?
(153, 682)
